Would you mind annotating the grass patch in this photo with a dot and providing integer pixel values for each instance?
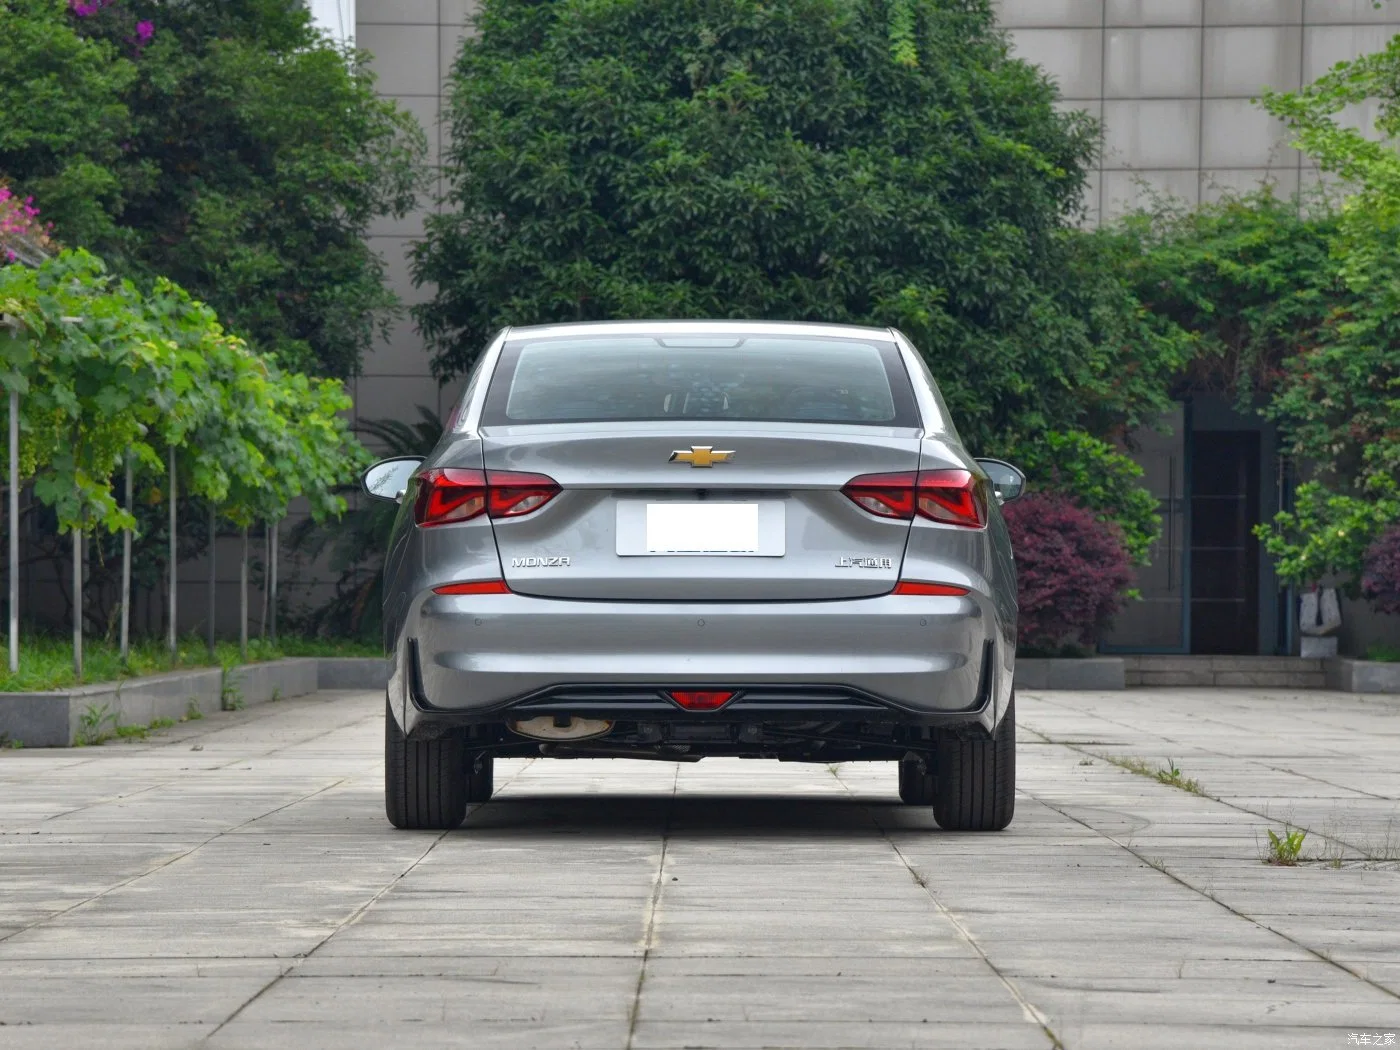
(46, 661)
(1168, 774)
(1385, 654)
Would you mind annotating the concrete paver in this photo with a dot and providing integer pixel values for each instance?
(233, 884)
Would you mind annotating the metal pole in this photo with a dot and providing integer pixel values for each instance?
(170, 633)
(262, 620)
(126, 572)
(243, 599)
(272, 584)
(14, 531)
(78, 605)
(213, 575)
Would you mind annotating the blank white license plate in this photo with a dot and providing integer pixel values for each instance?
(753, 529)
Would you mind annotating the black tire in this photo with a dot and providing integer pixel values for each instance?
(916, 786)
(481, 776)
(425, 781)
(976, 788)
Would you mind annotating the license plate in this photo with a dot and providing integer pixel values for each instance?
(753, 529)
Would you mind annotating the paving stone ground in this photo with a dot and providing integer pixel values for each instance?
(233, 884)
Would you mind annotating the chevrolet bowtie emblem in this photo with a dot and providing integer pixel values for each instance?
(701, 456)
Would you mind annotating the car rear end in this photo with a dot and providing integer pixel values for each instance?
(678, 540)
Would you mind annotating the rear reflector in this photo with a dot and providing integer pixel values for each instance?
(692, 701)
(938, 590)
(474, 587)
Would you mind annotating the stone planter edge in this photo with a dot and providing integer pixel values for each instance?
(1346, 675)
(1093, 673)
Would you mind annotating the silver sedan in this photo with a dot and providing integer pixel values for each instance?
(670, 540)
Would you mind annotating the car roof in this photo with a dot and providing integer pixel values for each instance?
(679, 328)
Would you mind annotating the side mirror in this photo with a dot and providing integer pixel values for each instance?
(388, 479)
(1008, 483)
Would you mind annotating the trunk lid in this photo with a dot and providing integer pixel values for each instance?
(774, 506)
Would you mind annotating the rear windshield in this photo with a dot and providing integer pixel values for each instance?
(756, 378)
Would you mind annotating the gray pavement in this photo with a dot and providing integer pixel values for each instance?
(233, 884)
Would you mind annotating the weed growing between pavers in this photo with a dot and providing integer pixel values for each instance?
(1283, 850)
(1168, 774)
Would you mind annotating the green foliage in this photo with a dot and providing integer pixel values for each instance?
(107, 374)
(95, 725)
(1284, 849)
(1099, 477)
(240, 154)
(806, 160)
(1339, 402)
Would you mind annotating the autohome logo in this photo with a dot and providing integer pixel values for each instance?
(540, 562)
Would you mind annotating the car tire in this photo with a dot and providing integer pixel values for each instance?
(916, 786)
(481, 776)
(976, 779)
(425, 781)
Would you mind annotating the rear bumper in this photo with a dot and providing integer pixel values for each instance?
(910, 659)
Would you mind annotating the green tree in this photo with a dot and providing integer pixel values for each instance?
(223, 144)
(844, 161)
(1339, 403)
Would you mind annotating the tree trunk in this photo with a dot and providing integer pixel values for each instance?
(266, 590)
(171, 629)
(78, 605)
(272, 585)
(14, 531)
(126, 572)
(213, 575)
(243, 599)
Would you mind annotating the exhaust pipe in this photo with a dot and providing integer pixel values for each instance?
(561, 727)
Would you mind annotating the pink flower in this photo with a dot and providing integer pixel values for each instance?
(144, 31)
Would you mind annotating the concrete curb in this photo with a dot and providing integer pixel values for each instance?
(352, 672)
(1090, 674)
(55, 719)
(1362, 676)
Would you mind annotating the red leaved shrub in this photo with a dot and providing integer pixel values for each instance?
(1071, 573)
(1380, 576)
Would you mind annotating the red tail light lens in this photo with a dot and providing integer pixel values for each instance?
(447, 495)
(888, 495)
(954, 497)
(474, 587)
(701, 701)
(510, 494)
(932, 590)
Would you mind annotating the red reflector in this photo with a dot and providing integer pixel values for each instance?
(939, 590)
(701, 701)
(474, 587)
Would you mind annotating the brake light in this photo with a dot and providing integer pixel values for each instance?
(933, 590)
(954, 497)
(701, 701)
(510, 494)
(474, 587)
(888, 495)
(447, 495)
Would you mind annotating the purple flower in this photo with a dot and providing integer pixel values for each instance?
(144, 31)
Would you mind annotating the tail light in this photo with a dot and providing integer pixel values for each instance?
(447, 495)
(954, 497)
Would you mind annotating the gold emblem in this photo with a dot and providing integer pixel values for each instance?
(701, 456)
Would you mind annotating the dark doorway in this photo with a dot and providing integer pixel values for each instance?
(1224, 552)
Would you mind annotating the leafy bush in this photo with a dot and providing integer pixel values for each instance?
(1380, 582)
(229, 147)
(1071, 570)
(856, 162)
